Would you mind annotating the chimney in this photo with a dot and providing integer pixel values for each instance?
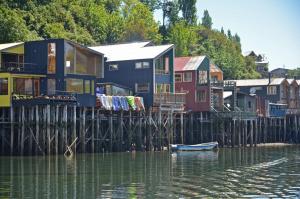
(269, 78)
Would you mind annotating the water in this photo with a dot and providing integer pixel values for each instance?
(228, 173)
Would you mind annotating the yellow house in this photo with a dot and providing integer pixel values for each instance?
(13, 82)
(18, 86)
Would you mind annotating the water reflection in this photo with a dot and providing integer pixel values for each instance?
(257, 172)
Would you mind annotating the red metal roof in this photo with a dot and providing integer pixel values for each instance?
(180, 63)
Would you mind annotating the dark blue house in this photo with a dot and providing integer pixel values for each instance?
(52, 68)
(146, 69)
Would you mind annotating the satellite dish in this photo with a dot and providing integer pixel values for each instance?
(252, 90)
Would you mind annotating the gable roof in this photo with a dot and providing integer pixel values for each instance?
(188, 63)
(215, 69)
(9, 45)
(131, 51)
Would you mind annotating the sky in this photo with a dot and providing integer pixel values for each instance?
(270, 27)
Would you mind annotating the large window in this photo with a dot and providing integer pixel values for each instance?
(187, 77)
(202, 77)
(178, 77)
(82, 62)
(162, 65)
(3, 86)
(201, 96)
(74, 85)
(271, 90)
(142, 87)
(51, 58)
(22, 86)
(51, 86)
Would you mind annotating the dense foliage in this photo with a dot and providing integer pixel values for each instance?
(92, 22)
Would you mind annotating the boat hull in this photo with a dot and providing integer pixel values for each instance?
(196, 147)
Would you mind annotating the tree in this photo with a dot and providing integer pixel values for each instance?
(13, 28)
(152, 4)
(189, 11)
(184, 37)
(206, 20)
(222, 31)
(171, 11)
(139, 23)
(229, 35)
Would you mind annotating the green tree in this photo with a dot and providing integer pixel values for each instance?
(152, 4)
(13, 28)
(206, 20)
(189, 11)
(184, 37)
(139, 23)
(222, 31)
(229, 35)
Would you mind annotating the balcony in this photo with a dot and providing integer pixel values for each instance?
(169, 99)
(17, 67)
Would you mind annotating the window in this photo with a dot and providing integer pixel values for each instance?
(22, 86)
(3, 86)
(178, 77)
(162, 65)
(202, 77)
(142, 87)
(271, 90)
(141, 65)
(93, 87)
(87, 86)
(201, 96)
(82, 62)
(51, 58)
(187, 77)
(113, 67)
(51, 86)
(74, 85)
(162, 88)
(249, 104)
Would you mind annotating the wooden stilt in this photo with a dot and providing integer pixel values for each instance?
(23, 130)
(93, 130)
(12, 120)
(56, 129)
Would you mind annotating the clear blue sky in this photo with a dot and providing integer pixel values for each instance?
(270, 27)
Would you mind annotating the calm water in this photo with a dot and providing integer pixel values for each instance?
(228, 173)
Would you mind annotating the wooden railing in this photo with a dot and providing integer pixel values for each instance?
(169, 98)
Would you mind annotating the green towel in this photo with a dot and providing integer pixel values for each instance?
(130, 100)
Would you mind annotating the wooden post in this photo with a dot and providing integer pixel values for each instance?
(150, 137)
(23, 130)
(111, 130)
(121, 131)
(48, 129)
(30, 135)
(74, 134)
(93, 130)
(12, 120)
(98, 129)
(181, 128)
(83, 130)
(37, 128)
(246, 133)
(256, 133)
(191, 127)
(159, 129)
(233, 133)
(251, 133)
(284, 129)
(56, 129)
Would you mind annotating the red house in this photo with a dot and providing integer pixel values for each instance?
(201, 81)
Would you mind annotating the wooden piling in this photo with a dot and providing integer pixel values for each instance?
(12, 120)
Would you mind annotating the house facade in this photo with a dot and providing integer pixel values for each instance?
(261, 62)
(146, 69)
(50, 69)
(201, 81)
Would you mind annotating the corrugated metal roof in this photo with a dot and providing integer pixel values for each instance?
(188, 63)
(131, 51)
(258, 82)
(180, 62)
(9, 45)
(214, 68)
